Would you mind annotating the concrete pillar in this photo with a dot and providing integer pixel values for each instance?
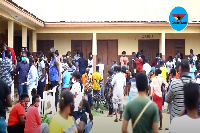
(94, 51)
(162, 45)
(24, 36)
(34, 43)
(11, 34)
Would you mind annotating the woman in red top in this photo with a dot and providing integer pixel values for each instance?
(139, 63)
(33, 120)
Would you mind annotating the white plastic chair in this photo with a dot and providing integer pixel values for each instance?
(48, 96)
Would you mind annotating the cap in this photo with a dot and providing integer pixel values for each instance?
(114, 61)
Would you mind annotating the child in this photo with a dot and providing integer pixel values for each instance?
(192, 70)
(133, 90)
(66, 76)
(77, 89)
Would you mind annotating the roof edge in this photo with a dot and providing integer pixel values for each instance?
(113, 24)
(9, 3)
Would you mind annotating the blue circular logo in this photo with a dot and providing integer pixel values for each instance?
(178, 18)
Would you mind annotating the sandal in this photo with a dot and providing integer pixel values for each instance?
(160, 128)
(120, 119)
(116, 120)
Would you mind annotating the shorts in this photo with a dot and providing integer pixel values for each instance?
(117, 103)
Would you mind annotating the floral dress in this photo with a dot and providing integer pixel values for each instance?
(107, 86)
(88, 83)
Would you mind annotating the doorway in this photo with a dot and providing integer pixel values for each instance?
(44, 46)
(84, 46)
(107, 50)
(150, 48)
(173, 47)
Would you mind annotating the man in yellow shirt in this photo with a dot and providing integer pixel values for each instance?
(164, 71)
(96, 77)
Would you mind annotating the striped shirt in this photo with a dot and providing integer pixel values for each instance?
(176, 94)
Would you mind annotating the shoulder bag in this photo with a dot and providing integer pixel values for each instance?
(141, 113)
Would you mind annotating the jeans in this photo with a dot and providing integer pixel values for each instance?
(3, 125)
(90, 99)
(88, 127)
(53, 84)
(102, 89)
(96, 94)
(22, 89)
(41, 89)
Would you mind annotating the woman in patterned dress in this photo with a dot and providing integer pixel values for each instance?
(109, 92)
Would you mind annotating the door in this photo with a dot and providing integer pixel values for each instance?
(44, 46)
(173, 47)
(150, 48)
(84, 46)
(107, 50)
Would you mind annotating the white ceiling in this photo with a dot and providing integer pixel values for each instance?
(17, 17)
(108, 10)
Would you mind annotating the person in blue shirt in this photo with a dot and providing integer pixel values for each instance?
(6, 69)
(66, 76)
(76, 58)
(54, 73)
(22, 70)
(192, 70)
(114, 64)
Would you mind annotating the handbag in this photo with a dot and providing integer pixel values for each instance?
(141, 113)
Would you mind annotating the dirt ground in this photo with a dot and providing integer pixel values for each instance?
(103, 124)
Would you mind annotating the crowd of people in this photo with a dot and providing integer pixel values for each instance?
(79, 89)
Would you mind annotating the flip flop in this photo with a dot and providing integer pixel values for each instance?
(116, 120)
(160, 128)
(166, 128)
(120, 119)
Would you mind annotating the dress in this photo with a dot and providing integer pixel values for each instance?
(156, 91)
(107, 86)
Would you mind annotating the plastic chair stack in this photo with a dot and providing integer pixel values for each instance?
(48, 97)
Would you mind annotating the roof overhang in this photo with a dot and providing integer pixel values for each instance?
(112, 24)
(20, 15)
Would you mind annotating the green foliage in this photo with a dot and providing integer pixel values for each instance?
(102, 107)
(94, 113)
(45, 118)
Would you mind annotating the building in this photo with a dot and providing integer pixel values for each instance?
(105, 39)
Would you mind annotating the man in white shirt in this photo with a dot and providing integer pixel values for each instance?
(146, 66)
(101, 71)
(188, 123)
(170, 64)
(119, 83)
(90, 63)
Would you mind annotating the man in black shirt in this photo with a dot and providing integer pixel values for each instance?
(5, 101)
